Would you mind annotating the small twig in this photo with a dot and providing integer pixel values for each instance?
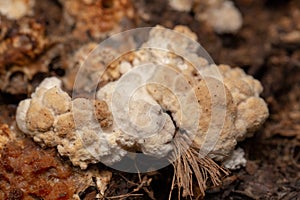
(173, 183)
(124, 196)
(128, 181)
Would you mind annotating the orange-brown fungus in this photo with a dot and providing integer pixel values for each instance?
(27, 172)
(103, 115)
(96, 17)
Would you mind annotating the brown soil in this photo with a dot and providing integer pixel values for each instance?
(262, 48)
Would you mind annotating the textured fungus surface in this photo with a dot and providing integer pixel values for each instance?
(88, 132)
(221, 15)
(16, 9)
(266, 46)
(95, 17)
(29, 172)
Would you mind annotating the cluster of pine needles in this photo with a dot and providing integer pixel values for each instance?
(190, 166)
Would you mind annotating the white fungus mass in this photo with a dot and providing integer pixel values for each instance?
(16, 9)
(160, 102)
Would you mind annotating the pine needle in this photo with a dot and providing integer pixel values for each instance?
(188, 164)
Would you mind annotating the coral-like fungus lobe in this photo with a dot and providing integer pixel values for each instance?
(44, 116)
(103, 115)
(57, 101)
(64, 123)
